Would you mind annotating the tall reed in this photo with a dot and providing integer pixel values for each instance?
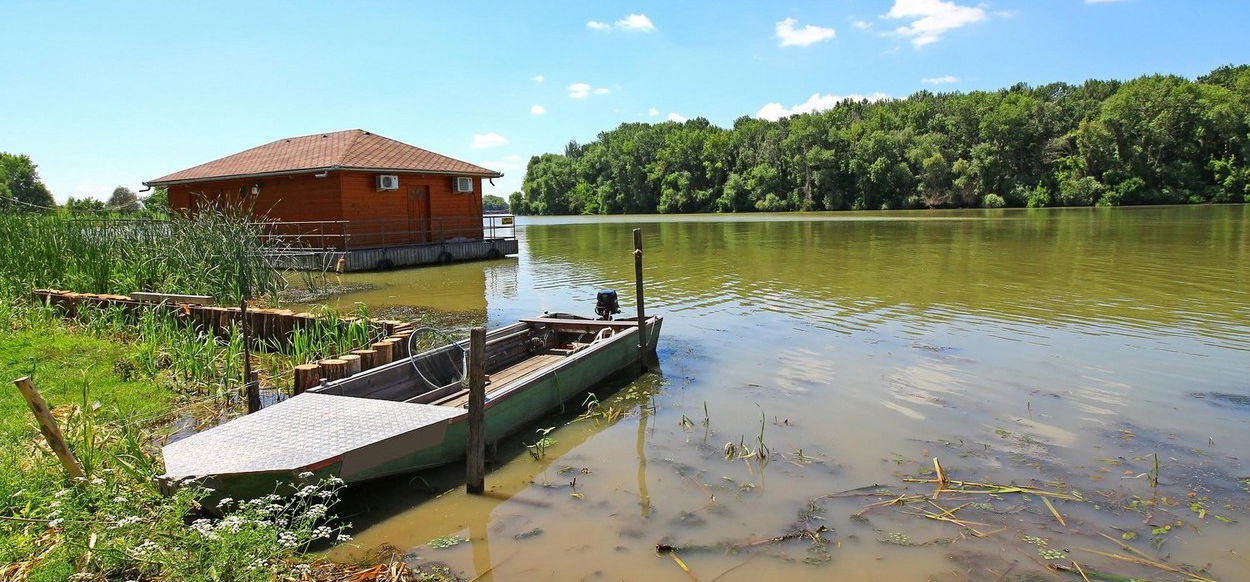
(218, 252)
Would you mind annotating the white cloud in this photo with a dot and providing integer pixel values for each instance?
(538, 78)
(817, 102)
(537, 110)
(808, 35)
(653, 112)
(943, 80)
(679, 118)
(488, 140)
(631, 23)
(510, 162)
(861, 24)
(584, 90)
(636, 23)
(930, 19)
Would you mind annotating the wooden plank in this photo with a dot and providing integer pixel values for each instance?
(172, 298)
(47, 426)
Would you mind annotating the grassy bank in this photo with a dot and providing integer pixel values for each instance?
(119, 384)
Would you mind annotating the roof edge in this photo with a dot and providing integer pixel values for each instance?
(158, 182)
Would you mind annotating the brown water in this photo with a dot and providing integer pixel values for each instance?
(1061, 349)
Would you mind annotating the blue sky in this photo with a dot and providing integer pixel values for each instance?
(105, 94)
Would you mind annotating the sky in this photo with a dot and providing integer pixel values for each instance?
(102, 94)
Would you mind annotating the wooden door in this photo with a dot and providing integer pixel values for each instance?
(419, 214)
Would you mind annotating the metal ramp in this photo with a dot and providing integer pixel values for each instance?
(295, 433)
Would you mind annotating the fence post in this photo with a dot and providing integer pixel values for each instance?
(475, 478)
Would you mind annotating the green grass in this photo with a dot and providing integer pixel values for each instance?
(115, 524)
(59, 362)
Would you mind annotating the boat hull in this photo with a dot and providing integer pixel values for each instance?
(387, 438)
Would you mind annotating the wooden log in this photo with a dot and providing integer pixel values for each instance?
(353, 364)
(333, 368)
(475, 455)
(384, 352)
(367, 361)
(306, 376)
(47, 426)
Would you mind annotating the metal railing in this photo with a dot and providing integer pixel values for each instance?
(346, 235)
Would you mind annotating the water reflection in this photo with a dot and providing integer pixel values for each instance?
(1018, 345)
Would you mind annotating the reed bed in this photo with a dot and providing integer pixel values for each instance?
(218, 252)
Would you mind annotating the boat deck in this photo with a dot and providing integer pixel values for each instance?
(503, 377)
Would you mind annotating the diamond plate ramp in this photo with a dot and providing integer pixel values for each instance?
(298, 432)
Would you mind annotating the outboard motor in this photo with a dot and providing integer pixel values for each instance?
(606, 304)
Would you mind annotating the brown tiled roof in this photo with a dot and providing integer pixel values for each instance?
(341, 150)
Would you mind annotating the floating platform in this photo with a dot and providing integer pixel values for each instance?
(390, 257)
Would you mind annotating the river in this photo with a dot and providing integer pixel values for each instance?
(1099, 354)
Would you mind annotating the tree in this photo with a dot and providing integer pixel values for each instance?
(124, 200)
(20, 184)
(492, 203)
(157, 202)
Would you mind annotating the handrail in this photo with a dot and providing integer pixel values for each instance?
(344, 235)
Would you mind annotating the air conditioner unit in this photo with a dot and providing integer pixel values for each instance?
(388, 182)
(464, 184)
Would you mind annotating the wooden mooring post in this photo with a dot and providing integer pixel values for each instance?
(250, 387)
(475, 455)
(47, 426)
(642, 312)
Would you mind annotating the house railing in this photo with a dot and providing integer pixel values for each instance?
(346, 235)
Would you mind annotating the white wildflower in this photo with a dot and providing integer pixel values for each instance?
(119, 499)
(55, 522)
(225, 502)
(97, 481)
(204, 527)
(317, 511)
(232, 523)
(131, 520)
(305, 475)
(145, 548)
(306, 491)
(344, 538)
(334, 481)
(287, 539)
(61, 493)
(321, 532)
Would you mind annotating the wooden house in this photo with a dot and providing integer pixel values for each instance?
(344, 191)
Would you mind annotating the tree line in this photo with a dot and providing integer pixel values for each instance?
(21, 189)
(1157, 139)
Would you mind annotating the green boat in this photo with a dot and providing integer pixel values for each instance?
(408, 415)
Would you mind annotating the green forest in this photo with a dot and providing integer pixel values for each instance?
(1158, 139)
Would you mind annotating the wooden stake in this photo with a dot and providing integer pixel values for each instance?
(367, 359)
(475, 455)
(642, 315)
(306, 376)
(353, 364)
(384, 351)
(47, 425)
(332, 369)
